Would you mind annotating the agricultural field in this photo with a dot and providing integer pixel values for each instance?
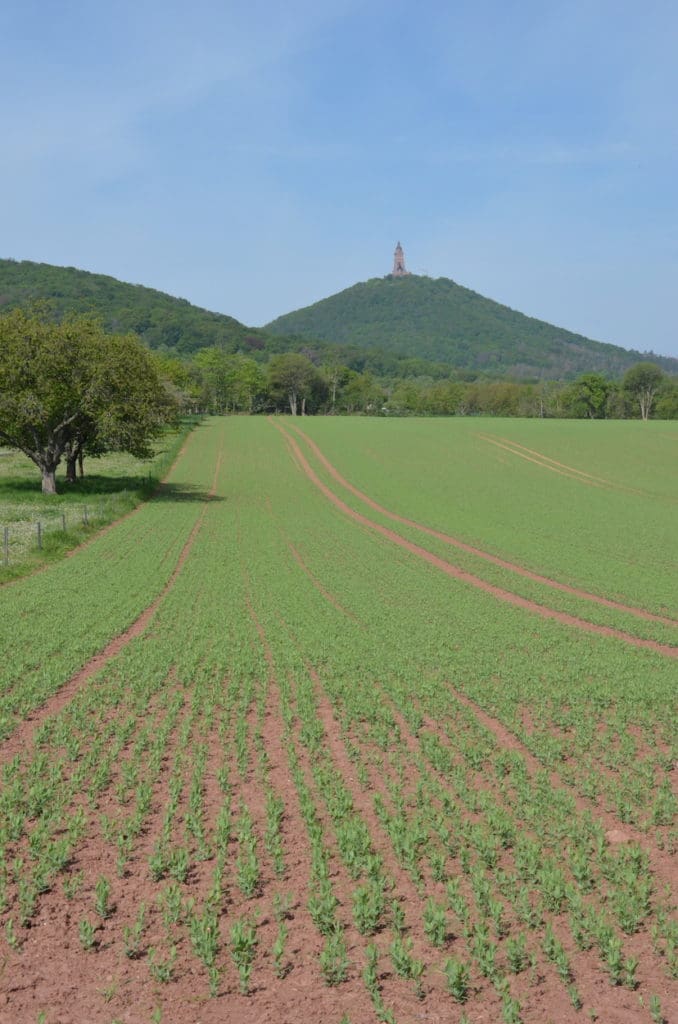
(113, 484)
(354, 721)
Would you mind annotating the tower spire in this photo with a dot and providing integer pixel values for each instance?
(399, 262)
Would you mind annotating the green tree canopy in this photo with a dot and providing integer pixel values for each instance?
(641, 383)
(68, 389)
(294, 379)
(587, 396)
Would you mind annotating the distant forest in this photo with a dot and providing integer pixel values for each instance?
(214, 381)
(215, 364)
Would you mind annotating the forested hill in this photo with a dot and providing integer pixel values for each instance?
(395, 327)
(437, 319)
(161, 320)
(174, 325)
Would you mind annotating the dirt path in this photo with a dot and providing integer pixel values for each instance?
(563, 618)
(22, 736)
(520, 570)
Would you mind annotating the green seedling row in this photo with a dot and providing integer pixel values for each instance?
(325, 764)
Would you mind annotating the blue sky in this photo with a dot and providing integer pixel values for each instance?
(255, 157)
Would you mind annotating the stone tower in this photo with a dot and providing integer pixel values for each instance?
(399, 262)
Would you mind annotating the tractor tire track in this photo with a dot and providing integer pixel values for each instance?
(545, 463)
(502, 563)
(554, 462)
(463, 576)
(319, 586)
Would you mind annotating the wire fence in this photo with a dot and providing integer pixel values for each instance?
(21, 537)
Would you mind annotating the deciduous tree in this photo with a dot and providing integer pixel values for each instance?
(294, 378)
(68, 388)
(641, 383)
(587, 396)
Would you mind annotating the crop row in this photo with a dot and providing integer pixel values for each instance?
(282, 783)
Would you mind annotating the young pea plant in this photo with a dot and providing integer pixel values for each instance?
(405, 965)
(86, 934)
(282, 967)
(275, 811)
(656, 1010)
(162, 970)
(243, 950)
(334, 962)
(204, 931)
(132, 934)
(11, 936)
(435, 923)
(457, 977)
(371, 980)
(102, 892)
(368, 907)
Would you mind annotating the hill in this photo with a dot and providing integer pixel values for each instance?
(439, 320)
(392, 327)
(161, 320)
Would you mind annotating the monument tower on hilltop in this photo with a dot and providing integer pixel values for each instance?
(399, 262)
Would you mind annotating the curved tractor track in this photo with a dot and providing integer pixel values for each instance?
(462, 575)
(502, 563)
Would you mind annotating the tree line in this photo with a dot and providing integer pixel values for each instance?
(218, 382)
(68, 390)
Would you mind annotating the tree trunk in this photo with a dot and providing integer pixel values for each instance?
(48, 481)
(81, 468)
(646, 398)
(303, 407)
(71, 461)
(293, 402)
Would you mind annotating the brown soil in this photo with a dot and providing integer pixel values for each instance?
(466, 577)
(52, 974)
(640, 613)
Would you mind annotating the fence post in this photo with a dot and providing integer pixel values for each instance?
(39, 535)
(84, 515)
(5, 545)
(63, 521)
